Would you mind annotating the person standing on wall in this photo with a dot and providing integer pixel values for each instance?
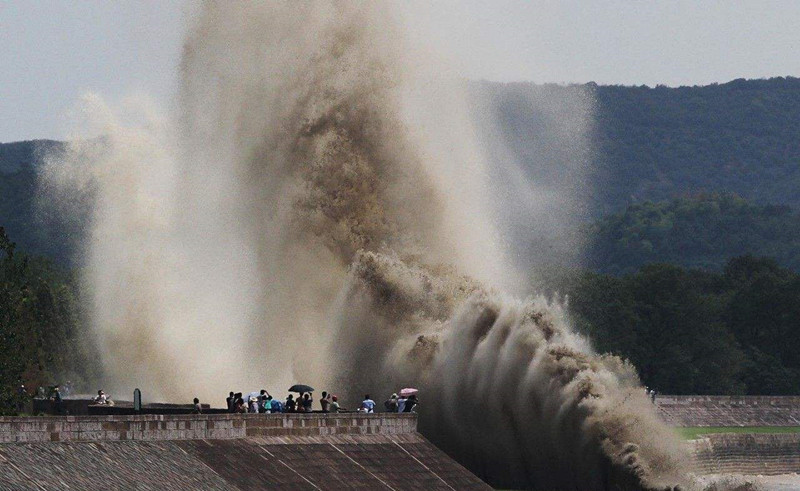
(334, 404)
(391, 404)
(58, 401)
(325, 402)
(367, 405)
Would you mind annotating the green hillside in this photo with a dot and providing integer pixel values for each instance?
(24, 155)
(699, 232)
(655, 144)
(18, 206)
(43, 336)
(741, 137)
(647, 144)
(697, 332)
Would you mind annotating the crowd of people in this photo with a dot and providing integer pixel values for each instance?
(401, 404)
(58, 392)
(263, 402)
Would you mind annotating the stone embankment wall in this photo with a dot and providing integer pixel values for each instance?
(686, 411)
(739, 453)
(199, 427)
(754, 453)
(224, 451)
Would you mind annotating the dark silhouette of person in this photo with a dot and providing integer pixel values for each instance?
(290, 404)
(58, 401)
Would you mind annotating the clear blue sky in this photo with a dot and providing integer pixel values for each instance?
(53, 51)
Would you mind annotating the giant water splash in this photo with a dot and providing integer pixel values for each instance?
(317, 210)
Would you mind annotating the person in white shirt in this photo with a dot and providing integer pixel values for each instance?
(101, 398)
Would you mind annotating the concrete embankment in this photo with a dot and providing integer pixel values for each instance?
(765, 454)
(689, 411)
(296, 451)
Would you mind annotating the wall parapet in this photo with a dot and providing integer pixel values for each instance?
(158, 427)
(730, 400)
(729, 410)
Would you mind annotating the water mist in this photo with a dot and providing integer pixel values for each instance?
(318, 211)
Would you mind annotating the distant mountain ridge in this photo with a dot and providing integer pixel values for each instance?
(15, 156)
(18, 208)
(741, 138)
(655, 144)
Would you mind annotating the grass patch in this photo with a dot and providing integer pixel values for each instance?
(695, 431)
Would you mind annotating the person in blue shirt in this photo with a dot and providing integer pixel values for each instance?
(401, 404)
(368, 405)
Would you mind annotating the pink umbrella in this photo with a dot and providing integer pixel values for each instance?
(408, 391)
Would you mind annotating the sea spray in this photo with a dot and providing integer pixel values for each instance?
(318, 210)
(514, 393)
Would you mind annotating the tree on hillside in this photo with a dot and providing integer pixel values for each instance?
(763, 314)
(42, 335)
(695, 331)
(12, 362)
(741, 137)
(702, 231)
(687, 346)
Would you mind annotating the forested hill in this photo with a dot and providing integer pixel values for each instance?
(18, 156)
(18, 163)
(741, 137)
(697, 332)
(659, 143)
(698, 232)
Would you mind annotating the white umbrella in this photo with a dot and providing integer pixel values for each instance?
(408, 391)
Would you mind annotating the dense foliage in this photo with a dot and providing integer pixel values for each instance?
(698, 332)
(702, 232)
(42, 341)
(655, 144)
(741, 137)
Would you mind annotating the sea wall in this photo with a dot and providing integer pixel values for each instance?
(225, 451)
(753, 453)
(687, 411)
(200, 426)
